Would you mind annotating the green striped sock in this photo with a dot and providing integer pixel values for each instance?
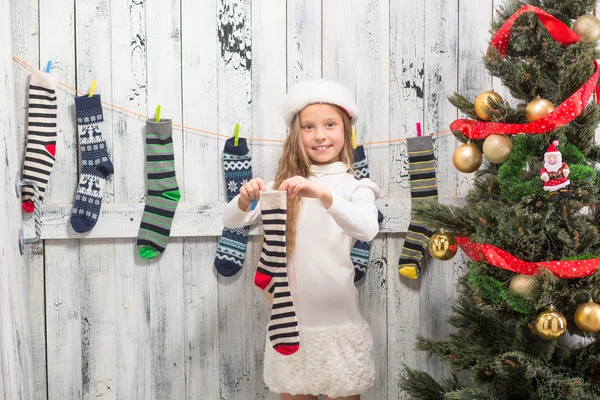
(163, 191)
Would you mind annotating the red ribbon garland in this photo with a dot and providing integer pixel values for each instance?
(563, 114)
(499, 258)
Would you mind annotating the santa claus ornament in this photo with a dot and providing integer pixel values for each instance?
(555, 174)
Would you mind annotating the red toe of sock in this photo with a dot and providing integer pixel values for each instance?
(262, 280)
(28, 206)
(287, 349)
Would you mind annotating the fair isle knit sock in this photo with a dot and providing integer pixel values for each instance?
(231, 250)
(163, 191)
(423, 189)
(41, 135)
(361, 249)
(271, 274)
(95, 163)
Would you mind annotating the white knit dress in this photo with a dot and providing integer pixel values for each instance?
(336, 346)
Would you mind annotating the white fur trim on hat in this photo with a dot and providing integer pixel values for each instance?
(318, 91)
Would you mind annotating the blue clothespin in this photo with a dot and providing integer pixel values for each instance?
(49, 66)
(253, 205)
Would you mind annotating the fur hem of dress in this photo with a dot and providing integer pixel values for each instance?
(336, 361)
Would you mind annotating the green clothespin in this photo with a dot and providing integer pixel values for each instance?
(236, 134)
(158, 113)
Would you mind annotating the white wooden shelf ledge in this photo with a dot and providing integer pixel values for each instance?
(191, 219)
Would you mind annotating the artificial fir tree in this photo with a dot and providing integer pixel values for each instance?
(515, 221)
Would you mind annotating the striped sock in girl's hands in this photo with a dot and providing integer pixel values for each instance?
(271, 274)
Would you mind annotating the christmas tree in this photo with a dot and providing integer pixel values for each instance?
(530, 224)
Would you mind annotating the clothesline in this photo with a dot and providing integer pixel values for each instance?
(192, 129)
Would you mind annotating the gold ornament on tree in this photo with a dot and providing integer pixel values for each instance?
(538, 108)
(442, 246)
(587, 317)
(467, 158)
(523, 285)
(497, 148)
(550, 324)
(483, 108)
(588, 28)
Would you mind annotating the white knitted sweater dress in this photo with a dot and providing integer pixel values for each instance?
(336, 346)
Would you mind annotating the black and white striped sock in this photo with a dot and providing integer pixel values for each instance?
(271, 274)
(41, 135)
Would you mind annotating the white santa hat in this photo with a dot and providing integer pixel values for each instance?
(309, 92)
(552, 150)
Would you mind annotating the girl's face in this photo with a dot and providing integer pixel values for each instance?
(322, 133)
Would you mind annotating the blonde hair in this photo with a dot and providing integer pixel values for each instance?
(294, 161)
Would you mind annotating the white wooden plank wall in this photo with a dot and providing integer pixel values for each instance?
(106, 324)
(16, 362)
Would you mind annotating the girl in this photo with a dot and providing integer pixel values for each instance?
(326, 208)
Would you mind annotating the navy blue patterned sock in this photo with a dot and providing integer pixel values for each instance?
(360, 250)
(95, 163)
(231, 250)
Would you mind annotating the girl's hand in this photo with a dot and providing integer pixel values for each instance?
(300, 186)
(250, 191)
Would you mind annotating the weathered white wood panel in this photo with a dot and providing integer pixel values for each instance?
(63, 286)
(268, 88)
(16, 363)
(25, 39)
(166, 277)
(192, 219)
(436, 292)
(202, 157)
(372, 94)
(237, 359)
(407, 37)
(131, 279)
(303, 40)
(98, 300)
(172, 328)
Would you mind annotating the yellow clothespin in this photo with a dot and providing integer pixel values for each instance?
(93, 88)
(236, 134)
(158, 113)
(353, 138)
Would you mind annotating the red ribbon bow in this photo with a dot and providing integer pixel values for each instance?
(566, 112)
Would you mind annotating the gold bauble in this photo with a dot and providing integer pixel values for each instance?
(467, 158)
(587, 317)
(442, 246)
(588, 28)
(538, 108)
(497, 148)
(483, 108)
(550, 324)
(523, 285)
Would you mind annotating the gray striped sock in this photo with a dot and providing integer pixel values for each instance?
(423, 189)
(163, 190)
